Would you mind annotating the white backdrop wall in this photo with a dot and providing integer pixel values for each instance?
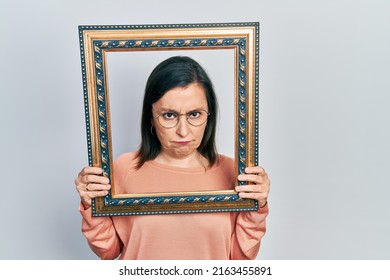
(324, 129)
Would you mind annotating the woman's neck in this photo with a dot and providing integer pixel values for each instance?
(188, 161)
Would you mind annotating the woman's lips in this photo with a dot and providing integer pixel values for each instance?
(182, 142)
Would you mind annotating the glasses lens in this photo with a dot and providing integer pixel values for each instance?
(197, 118)
(168, 120)
(194, 118)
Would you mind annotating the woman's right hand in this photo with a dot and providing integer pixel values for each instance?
(90, 184)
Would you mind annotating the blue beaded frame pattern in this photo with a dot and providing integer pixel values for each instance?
(95, 41)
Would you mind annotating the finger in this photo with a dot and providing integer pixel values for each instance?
(91, 170)
(96, 194)
(254, 195)
(90, 179)
(87, 197)
(255, 170)
(87, 187)
(251, 178)
(97, 187)
(248, 188)
(85, 172)
(262, 188)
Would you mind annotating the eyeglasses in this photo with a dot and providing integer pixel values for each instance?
(171, 119)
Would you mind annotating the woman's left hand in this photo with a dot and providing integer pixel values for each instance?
(259, 188)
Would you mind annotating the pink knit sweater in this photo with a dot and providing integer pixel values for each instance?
(229, 235)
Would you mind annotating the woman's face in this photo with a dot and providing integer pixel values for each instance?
(183, 139)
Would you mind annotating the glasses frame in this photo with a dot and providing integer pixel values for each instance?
(178, 119)
(97, 40)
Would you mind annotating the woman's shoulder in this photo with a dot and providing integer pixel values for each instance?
(225, 160)
(129, 156)
(225, 163)
(225, 166)
(126, 161)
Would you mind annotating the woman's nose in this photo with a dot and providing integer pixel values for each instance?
(182, 126)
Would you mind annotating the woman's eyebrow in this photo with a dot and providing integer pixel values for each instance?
(176, 111)
(167, 110)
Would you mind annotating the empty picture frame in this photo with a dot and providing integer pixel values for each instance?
(97, 41)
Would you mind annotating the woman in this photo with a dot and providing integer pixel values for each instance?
(177, 153)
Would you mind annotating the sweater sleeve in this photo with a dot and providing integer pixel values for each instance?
(100, 234)
(248, 232)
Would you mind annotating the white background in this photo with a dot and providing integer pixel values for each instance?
(324, 129)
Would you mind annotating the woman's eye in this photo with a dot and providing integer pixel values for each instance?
(194, 115)
(169, 116)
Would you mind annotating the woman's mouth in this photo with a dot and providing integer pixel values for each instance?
(182, 142)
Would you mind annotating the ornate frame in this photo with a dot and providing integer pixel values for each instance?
(95, 41)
